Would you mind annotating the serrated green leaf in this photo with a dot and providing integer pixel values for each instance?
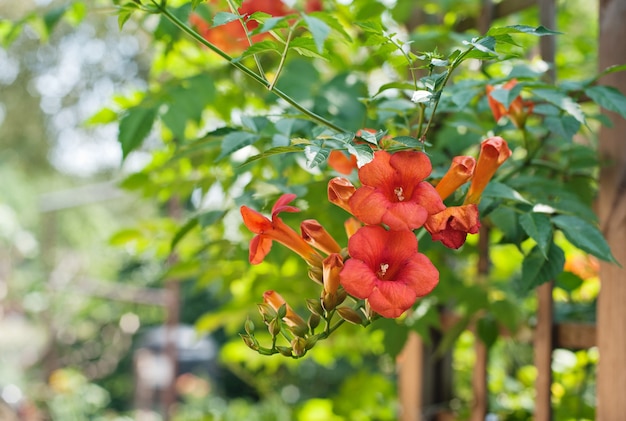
(331, 21)
(261, 47)
(608, 97)
(236, 140)
(125, 13)
(539, 228)
(485, 44)
(135, 125)
(562, 101)
(395, 85)
(565, 126)
(319, 29)
(537, 270)
(409, 141)
(305, 46)
(315, 155)
(513, 29)
(584, 236)
(271, 23)
(184, 230)
(363, 153)
(222, 18)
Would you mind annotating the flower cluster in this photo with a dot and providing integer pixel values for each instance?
(381, 269)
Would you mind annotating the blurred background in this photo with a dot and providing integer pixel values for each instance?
(94, 324)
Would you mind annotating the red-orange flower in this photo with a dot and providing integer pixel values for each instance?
(518, 109)
(276, 229)
(231, 36)
(394, 191)
(452, 225)
(341, 163)
(493, 152)
(459, 173)
(316, 235)
(332, 267)
(340, 190)
(386, 269)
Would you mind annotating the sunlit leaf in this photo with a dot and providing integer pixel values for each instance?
(184, 230)
(135, 125)
(525, 29)
(584, 235)
(236, 140)
(222, 18)
(319, 29)
(274, 151)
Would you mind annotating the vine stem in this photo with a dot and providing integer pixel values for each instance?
(451, 68)
(283, 56)
(256, 77)
(234, 10)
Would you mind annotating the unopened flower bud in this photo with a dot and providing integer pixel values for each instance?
(310, 342)
(298, 346)
(316, 235)
(248, 326)
(350, 315)
(314, 321)
(284, 351)
(274, 327)
(250, 342)
(316, 274)
(266, 311)
(340, 190)
(332, 266)
(314, 306)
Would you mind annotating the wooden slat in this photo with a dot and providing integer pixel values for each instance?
(410, 367)
(543, 352)
(574, 336)
(611, 382)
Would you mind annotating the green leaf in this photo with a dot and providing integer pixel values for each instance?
(612, 69)
(395, 335)
(51, 18)
(319, 29)
(395, 85)
(180, 234)
(502, 191)
(331, 21)
(274, 151)
(565, 126)
(104, 116)
(536, 269)
(487, 330)
(134, 127)
(569, 281)
(209, 218)
(236, 140)
(506, 313)
(363, 153)
(409, 141)
(484, 44)
(305, 46)
(261, 47)
(525, 29)
(584, 235)
(315, 155)
(608, 97)
(125, 13)
(222, 18)
(539, 228)
(271, 23)
(562, 101)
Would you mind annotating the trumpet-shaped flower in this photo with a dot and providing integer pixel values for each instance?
(452, 225)
(394, 191)
(316, 235)
(493, 152)
(340, 190)
(386, 269)
(459, 173)
(275, 229)
(332, 267)
(518, 110)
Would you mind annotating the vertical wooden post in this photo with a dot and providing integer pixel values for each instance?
(611, 384)
(543, 353)
(411, 378)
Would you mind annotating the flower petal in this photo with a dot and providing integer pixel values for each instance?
(420, 274)
(391, 299)
(357, 278)
(404, 216)
(281, 204)
(260, 246)
(378, 172)
(412, 166)
(255, 222)
(368, 204)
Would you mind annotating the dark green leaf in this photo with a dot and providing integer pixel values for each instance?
(584, 235)
(502, 191)
(395, 85)
(569, 281)
(608, 97)
(565, 126)
(305, 46)
(51, 18)
(331, 21)
(536, 269)
(261, 47)
(484, 44)
(319, 29)
(134, 127)
(180, 234)
(409, 141)
(507, 313)
(236, 140)
(395, 335)
(562, 101)
(539, 228)
(487, 330)
(222, 18)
